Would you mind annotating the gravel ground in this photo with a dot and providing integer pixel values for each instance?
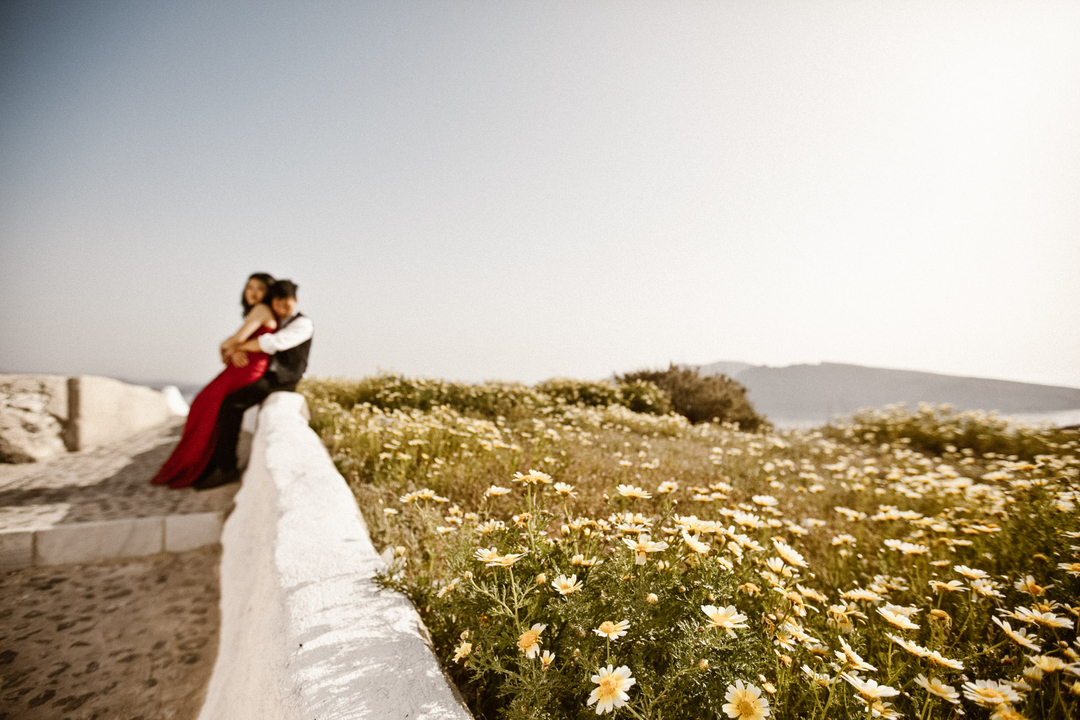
(125, 640)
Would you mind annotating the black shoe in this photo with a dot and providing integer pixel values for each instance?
(217, 478)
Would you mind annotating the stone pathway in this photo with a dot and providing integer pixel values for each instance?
(105, 483)
(125, 639)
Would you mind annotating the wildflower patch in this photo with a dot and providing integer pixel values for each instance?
(575, 559)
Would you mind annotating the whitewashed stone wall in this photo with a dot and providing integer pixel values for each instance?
(103, 410)
(305, 633)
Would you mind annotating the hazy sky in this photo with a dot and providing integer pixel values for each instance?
(519, 190)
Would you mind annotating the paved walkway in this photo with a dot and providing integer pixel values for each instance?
(106, 483)
(129, 639)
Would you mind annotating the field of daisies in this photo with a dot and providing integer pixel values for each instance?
(576, 550)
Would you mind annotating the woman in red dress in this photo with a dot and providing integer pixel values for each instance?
(192, 453)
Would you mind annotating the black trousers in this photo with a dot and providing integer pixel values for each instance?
(231, 415)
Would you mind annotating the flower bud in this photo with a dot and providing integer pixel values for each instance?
(703, 664)
(652, 599)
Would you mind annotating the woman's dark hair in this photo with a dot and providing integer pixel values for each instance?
(266, 279)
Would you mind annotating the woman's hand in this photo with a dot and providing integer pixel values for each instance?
(259, 315)
(228, 348)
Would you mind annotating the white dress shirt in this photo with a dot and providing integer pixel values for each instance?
(298, 331)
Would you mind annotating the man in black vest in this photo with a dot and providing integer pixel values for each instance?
(288, 348)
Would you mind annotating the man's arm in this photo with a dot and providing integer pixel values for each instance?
(249, 346)
(298, 331)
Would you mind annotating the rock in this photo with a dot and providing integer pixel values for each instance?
(28, 436)
(33, 413)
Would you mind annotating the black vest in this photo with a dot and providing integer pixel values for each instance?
(288, 366)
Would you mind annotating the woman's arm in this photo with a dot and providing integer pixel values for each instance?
(259, 316)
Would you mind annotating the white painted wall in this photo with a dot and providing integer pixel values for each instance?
(103, 410)
(305, 633)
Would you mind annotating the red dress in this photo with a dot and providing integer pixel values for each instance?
(192, 454)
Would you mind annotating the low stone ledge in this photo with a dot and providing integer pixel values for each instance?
(191, 531)
(305, 632)
(16, 549)
(91, 542)
(97, 541)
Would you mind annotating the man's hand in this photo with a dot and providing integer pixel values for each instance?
(239, 358)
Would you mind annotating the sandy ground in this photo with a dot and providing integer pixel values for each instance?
(125, 640)
(131, 639)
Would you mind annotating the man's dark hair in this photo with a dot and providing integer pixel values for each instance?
(266, 279)
(282, 289)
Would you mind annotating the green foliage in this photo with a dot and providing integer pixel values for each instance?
(821, 543)
(577, 392)
(941, 429)
(492, 607)
(638, 395)
(642, 396)
(390, 391)
(702, 398)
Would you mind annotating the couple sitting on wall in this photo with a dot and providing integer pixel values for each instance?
(268, 354)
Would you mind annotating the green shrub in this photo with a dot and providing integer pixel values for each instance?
(578, 392)
(639, 396)
(642, 396)
(702, 398)
(390, 391)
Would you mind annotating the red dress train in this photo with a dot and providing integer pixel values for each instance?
(192, 454)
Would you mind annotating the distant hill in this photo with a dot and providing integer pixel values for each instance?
(802, 393)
